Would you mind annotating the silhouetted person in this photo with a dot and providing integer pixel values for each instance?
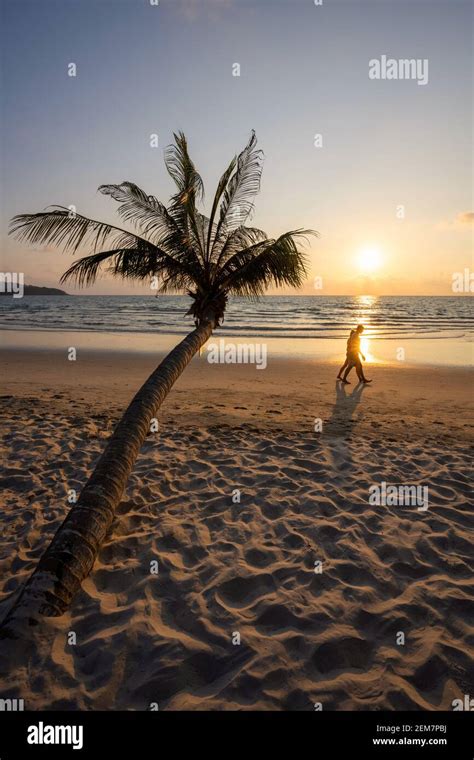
(353, 357)
(346, 360)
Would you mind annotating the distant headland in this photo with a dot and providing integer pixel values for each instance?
(35, 290)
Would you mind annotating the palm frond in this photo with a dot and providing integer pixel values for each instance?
(221, 186)
(190, 189)
(146, 212)
(84, 271)
(70, 230)
(242, 237)
(139, 263)
(181, 168)
(243, 185)
(253, 270)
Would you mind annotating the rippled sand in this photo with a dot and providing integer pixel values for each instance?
(248, 568)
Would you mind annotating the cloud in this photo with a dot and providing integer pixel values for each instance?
(467, 217)
(462, 220)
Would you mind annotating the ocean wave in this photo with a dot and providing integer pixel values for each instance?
(275, 316)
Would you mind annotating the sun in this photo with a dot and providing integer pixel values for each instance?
(369, 259)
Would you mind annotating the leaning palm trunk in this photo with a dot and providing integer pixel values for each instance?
(209, 258)
(74, 548)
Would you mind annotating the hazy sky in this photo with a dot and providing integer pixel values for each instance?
(144, 69)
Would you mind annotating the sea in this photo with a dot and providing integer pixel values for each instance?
(436, 327)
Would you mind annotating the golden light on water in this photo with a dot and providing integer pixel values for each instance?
(367, 306)
(365, 348)
(366, 302)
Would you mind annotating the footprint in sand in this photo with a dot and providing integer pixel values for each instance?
(343, 654)
(240, 592)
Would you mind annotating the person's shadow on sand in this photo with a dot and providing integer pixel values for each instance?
(341, 423)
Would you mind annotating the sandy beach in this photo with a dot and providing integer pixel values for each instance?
(247, 567)
(211, 208)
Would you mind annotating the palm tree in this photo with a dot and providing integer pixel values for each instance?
(209, 258)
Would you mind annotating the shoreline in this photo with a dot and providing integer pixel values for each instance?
(440, 351)
(403, 399)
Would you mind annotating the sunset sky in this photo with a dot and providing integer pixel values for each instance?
(144, 69)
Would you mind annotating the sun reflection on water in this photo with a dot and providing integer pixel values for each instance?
(365, 348)
(366, 309)
(365, 314)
